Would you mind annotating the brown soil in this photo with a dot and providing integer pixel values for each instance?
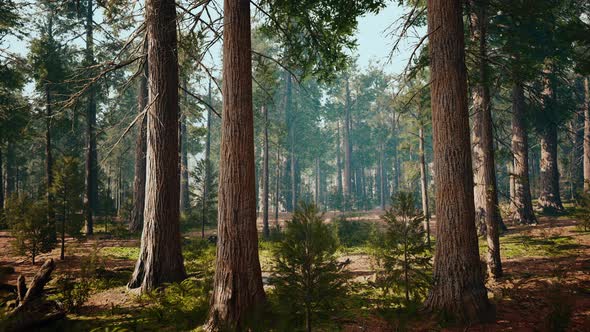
(532, 289)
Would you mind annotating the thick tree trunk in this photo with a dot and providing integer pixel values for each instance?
(91, 195)
(586, 135)
(550, 198)
(136, 222)
(265, 177)
(347, 147)
(458, 289)
(184, 181)
(1, 189)
(207, 179)
(237, 292)
(424, 183)
(160, 259)
(487, 212)
(522, 206)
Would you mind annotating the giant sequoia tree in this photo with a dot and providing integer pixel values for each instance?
(458, 288)
(237, 290)
(487, 211)
(160, 259)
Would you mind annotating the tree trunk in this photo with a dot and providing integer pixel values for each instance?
(394, 153)
(91, 196)
(347, 147)
(237, 292)
(136, 222)
(458, 289)
(381, 178)
(317, 182)
(338, 163)
(586, 108)
(207, 183)
(1, 189)
(160, 259)
(424, 183)
(522, 206)
(184, 189)
(550, 198)
(265, 177)
(277, 185)
(487, 211)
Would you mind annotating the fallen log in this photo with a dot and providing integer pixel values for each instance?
(32, 309)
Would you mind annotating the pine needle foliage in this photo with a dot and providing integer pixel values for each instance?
(27, 220)
(401, 255)
(309, 282)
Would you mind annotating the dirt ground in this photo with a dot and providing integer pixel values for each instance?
(532, 290)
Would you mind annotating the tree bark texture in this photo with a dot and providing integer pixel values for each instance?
(265, 177)
(207, 183)
(424, 183)
(522, 206)
(91, 195)
(586, 109)
(160, 258)
(550, 198)
(184, 180)
(487, 212)
(237, 292)
(136, 222)
(338, 160)
(347, 146)
(1, 188)
(458, 288)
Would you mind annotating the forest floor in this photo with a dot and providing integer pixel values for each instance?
(546, 283)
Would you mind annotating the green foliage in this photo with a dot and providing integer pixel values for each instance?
(27, 220)
(180, 306)
(353, 232)
(561, 306)
(309, 282)
(199, 258)
(401, 255)
(582, 213)
(68, 190)
(202, 206)
(316, 34)
(72, 293)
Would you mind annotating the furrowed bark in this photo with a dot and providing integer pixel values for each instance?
(91, 194)
(184, 181)
(521, 202)
(424, 183)
(136, 222)
(586, 109)
(265, 178)
(160, 258)
(458, 289)
(550, 198)
(488, 219)
(237, 292)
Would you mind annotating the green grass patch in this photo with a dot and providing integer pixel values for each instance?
(131, 253)
(517, 246)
